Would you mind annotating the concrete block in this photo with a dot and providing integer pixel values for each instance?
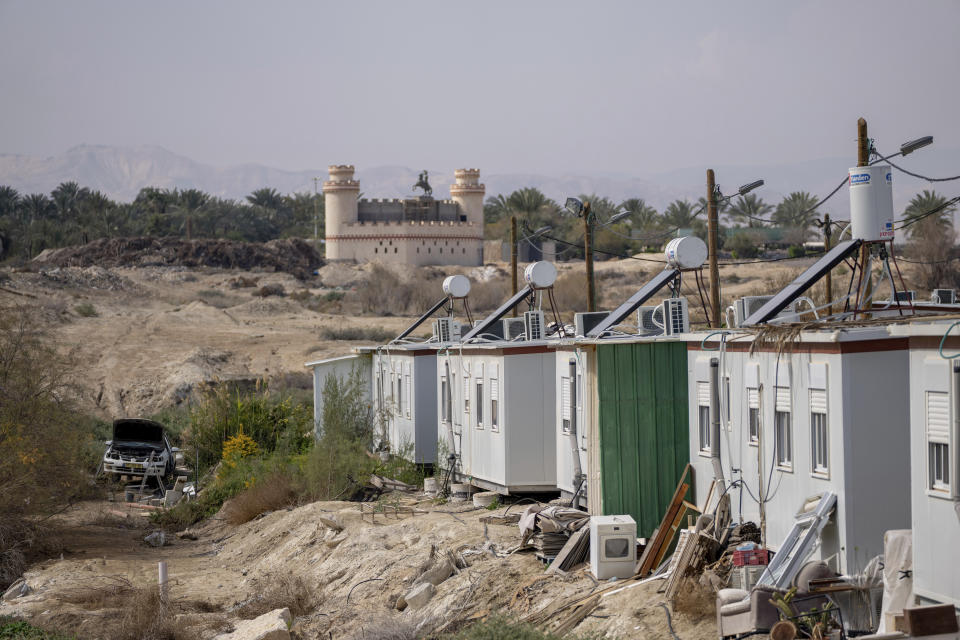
(270, 626)
(437, 573)
(420, 595)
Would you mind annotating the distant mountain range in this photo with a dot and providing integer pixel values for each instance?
(120, 172)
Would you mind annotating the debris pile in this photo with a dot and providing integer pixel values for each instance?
(291, 255)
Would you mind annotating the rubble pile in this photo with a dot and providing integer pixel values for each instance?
(291, 255)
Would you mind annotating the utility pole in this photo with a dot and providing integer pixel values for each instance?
(588, 256)
(513, 258)
(863, 159)
(712, 224)
(828, 281)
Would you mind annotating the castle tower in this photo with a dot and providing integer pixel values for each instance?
(340, 194)
(468, 193)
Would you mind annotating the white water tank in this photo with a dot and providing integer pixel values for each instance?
(688, 252)
(540, 275)
(871, 203)
(456, 286)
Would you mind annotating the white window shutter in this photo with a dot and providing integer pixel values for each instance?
(783, 399)
(938, 417)
(818, 401)
(565, 398)
(753, 398)
(703, 394)
(494, 389)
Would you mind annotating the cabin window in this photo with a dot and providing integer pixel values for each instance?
(727, 407)
(479, 403)
(573, 395)
(783, 430)
(753, 415)
(819, 444)
(466, 400)
(399, 395)
(703, 415)
(938, 440)
(407, 387)
(494, 404)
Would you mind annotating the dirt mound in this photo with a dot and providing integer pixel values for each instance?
(292, 255)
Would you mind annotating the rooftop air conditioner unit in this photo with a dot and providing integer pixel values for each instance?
(584, 322)
(650, 320)
(446, 330)
(514, 328)
(535, 325)
(744, 307)
(944, 296)
(676, 316)
(906, 296)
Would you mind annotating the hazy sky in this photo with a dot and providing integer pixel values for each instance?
(545, 87)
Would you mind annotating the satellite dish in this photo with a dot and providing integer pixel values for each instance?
(540, 275)
(456, 286)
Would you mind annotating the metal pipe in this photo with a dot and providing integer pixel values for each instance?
(715, 422)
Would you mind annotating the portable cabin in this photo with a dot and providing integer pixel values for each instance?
(934, 462)
(341, 367)
(631, 410)
(495, 402)
(825, 411)
(404, 381)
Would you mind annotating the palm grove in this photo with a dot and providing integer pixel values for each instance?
(71, 214)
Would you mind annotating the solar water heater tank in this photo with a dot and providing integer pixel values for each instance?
(688, 252)
(456, 286)
(540, 275)
(613, 546)
(871, 203)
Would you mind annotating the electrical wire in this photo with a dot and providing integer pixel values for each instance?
(937, 209)
(886, 159)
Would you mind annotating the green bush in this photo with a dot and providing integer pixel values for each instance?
(498, 627)
(796, 251)
(743, 246)
(13, 629)
(86, 310)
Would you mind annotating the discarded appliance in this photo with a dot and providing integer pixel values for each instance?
(613, 546)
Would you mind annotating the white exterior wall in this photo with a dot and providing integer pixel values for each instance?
(866, 410)
(518, 453)
(565, 466)
(936, 515)
(340, 367)
(411, 420)
(409, 242)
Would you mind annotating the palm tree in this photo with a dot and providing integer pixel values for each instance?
(722, 205)
(796, 212)
(679, 214)
(36, 206)
(920, 221)
(749, 208)
(642, 215)
(267, 198)
(158, 200)
(190, 201)
(9, 201)
(67, 198)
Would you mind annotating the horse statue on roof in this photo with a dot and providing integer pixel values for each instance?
(424, 183)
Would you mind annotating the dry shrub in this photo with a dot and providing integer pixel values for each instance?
(385, 293)
(386, 628)
(22, 540)
(695, 600)
(490, 294)
(570, 292)
(274, 492)
(278, 592)
(242, 282)
(270, 290)
(357, 334)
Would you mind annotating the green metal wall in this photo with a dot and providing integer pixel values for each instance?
(644, 434)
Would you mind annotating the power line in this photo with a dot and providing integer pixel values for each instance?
(910, 173)
(937, 209)
(931, 262)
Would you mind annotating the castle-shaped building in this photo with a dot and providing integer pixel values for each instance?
(418, 231)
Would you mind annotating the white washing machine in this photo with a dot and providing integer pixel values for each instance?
(613, 546)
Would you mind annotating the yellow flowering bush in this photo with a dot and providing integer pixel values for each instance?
(237, 448)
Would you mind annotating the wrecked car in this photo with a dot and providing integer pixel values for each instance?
(139, 447)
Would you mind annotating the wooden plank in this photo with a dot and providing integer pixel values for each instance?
(573, 549)
(665, 531)
(927, 621)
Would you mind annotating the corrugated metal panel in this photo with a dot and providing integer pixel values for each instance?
(818, 401)
(938, 417)
(783, 399)
(643, 428)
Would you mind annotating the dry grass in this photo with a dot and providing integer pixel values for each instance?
(274, 492)
(570, 291)
(489, 294)
(22, 541)
(280, 592)
(140, 612)
(357, 334)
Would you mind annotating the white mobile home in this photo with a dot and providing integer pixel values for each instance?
(341, 367)
(495, 406)
(826, 412)
(404, 381)
(934, 461)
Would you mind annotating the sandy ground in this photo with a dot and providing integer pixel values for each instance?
(355, 575)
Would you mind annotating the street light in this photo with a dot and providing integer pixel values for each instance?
(619, 216)
(750, 186)
(574, 206)
(913, 145)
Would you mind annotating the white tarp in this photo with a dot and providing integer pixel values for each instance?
(897, 573)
